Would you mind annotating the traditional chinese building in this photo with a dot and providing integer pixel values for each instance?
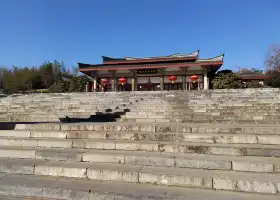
(258, 77)
(173, 72)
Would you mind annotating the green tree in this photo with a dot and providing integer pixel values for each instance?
(18, 79)
(59, 86)
(77, 84)
(227, 81)
(53, 76)
(56, 70)
(47, 74)
(225, 71)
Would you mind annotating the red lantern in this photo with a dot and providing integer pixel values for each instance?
(193, 78)
(122, 80)
(172, 78)
(104, 81)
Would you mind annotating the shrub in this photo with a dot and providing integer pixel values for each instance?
(253, 84)
(227, 81)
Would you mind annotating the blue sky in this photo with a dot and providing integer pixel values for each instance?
(33, 31)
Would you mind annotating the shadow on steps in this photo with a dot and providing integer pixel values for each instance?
(99, 117)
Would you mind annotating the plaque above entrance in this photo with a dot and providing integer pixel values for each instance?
(147, 71)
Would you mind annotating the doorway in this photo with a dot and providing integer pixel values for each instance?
(125, 87)
(148, 86)
(173, 86)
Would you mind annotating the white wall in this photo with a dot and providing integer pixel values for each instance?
(142, 80)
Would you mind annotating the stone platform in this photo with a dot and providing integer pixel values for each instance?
(167, 146)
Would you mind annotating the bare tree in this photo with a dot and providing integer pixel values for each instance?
(273, 59)
(273, 67)
(2, 71)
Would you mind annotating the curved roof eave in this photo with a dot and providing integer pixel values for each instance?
(219, 58)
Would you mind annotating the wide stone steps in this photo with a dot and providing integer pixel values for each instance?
(201, 111)
(211, 140)
(155, 127)
(229, 120)
(67, 104)
(83, 189)
(223, 138)
(21, 155)
(167, 176)
(210, 116)
(150, 146)
(29, 109)
(197, 117)
(9, 197)
(24, 117)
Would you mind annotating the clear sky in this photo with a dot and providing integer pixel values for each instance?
(33, 31)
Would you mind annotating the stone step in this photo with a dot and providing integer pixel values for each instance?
(187, 137)
(54, 154)
(226, 111)
(194, 116)
(155, 146)
(206, 117)
(229, 120)
(174, 147)
(82, 189)
(223, 138)
(9, 197)
(167, 176)
(156, 127)
(179, 160)
(159, 110)
(232, 107)
(150, 120)
(188, 160)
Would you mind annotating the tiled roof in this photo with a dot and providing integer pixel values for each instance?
(177, 55)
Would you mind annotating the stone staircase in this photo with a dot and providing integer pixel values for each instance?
(248, 106)
(134, 159)
(52, 107)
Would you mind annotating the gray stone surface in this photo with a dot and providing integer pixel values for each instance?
(7, 152)
(15, 133)
(20, 166)
(47, 134)
(78, 189)
(59, 168)
(218, 140)
(8, 197)
(55, 154)
(114, 172)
